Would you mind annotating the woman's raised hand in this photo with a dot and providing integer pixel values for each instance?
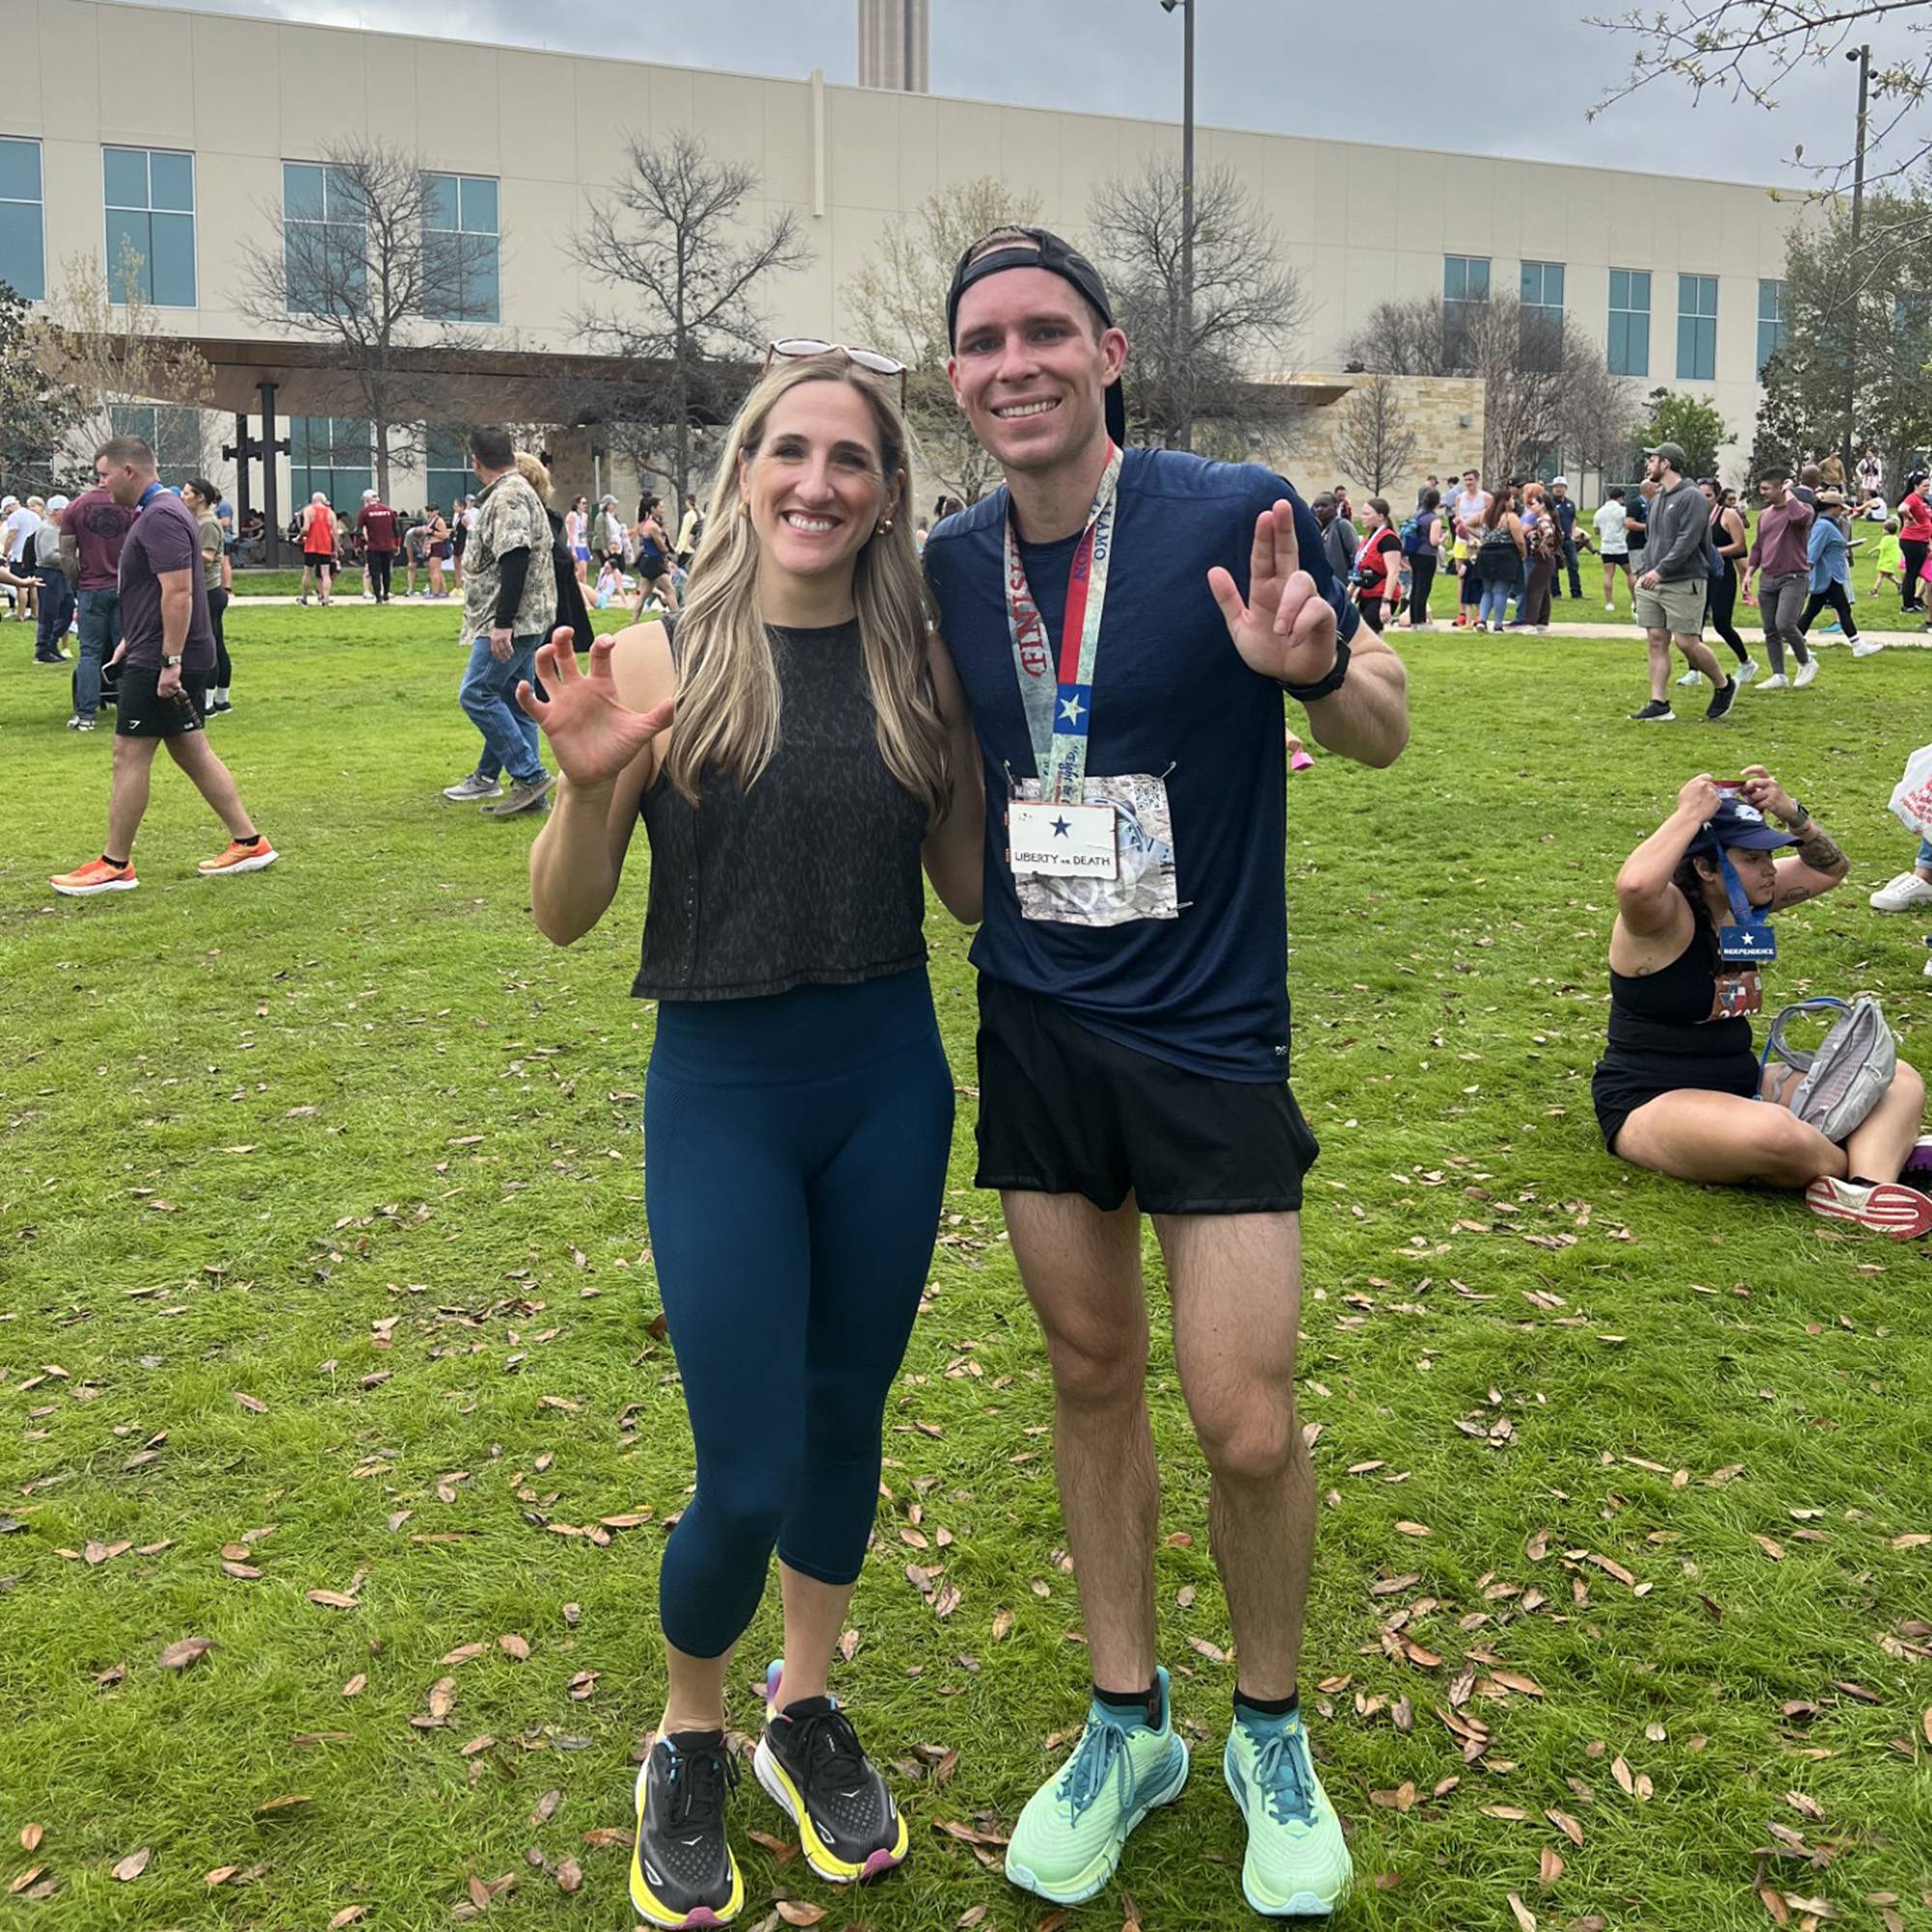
(1699, 796)
(593, 733)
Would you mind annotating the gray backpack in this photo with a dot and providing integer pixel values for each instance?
(1849, 1071)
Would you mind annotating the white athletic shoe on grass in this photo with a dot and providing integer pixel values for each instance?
(1779, 682)
(1747, 670)
(1902, 893)
(1866, 647)
(1884, 1207)
(1806, 674)
(1692, 677)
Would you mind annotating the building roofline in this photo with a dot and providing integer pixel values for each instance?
(954, 100)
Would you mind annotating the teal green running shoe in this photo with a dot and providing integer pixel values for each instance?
(1074, 1827)
(1298, 1864)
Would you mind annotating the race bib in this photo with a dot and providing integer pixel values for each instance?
(1139, 881)
(1074, 841)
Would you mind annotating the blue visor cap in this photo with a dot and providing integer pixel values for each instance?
(1736, 823)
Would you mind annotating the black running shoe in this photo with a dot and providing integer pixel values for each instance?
(1657, 712)
(682, 1871)
(1722, 700)
(811, 1763)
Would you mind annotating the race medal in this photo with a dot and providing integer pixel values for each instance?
(1072, 841)
(1752, 944)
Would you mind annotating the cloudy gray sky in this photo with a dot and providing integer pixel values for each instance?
(1489, 79)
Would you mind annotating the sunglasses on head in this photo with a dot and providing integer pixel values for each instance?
(873, 360)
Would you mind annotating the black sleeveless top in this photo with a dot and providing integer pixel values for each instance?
(1685, 1024)
(813, 877)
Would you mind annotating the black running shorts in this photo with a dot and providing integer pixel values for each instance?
(1063, 1111)
(141, 712)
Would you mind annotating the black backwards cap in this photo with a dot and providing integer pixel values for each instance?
(1042, 249)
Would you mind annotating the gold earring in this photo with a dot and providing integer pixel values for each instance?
(884, 526)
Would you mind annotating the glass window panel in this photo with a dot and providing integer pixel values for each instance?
(128, 232)
(22, 257)
(171, 182)
(125, 176)
(1478, 279)
(439, 201)
(20, 170)
(479, 205)
(302, 192)
(343, 198)
(172, 279)
(1552, 284)
(480, 292)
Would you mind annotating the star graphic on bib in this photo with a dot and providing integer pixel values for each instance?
(1061, 828)
(1071, 709)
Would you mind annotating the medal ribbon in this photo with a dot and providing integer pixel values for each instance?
(1059, 715)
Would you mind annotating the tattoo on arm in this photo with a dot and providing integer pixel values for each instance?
(1817, 848)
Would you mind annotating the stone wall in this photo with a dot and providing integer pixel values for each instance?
(1445, 412)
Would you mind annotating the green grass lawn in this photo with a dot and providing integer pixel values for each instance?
(324, 1270)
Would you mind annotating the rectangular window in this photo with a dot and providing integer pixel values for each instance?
(324, 239)
(1543, 284)
(1696, 328)
(23, 255)
(1770, 321)
(1541, 332)
(1466, 287)
(148, 193)
(330, 454)
(173, 433)
(1630, 322)
(460, 225)
(449, 478)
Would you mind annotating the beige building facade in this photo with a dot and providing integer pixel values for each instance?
(179, 129)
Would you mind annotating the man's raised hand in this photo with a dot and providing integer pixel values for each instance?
(1287, 628)
(593, 733)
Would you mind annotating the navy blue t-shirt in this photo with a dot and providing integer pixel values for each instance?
(1208, 990)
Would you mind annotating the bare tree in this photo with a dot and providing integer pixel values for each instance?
(1598, 419)
(1372, 441)
(1747, 49)
(368, 258)
(41, 414)
(897, 301)
(130, 374)
(1248, 304)
(671, 238)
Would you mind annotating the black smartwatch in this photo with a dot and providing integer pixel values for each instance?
(1322, 686)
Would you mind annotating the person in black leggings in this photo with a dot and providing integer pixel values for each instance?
(798, 1110)
(1678, 1088)
(201, 497)
(1728, 547)
(1422, 559)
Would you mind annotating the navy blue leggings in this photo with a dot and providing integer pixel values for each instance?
(795, 1157)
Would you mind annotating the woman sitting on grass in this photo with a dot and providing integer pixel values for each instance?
(1679, 1089)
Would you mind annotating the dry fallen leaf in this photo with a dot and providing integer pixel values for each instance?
(332, 1600)
(287, 1804)
(546, 1807)
(1413, 1529)
(1002, 1622)
(25, 1879)
(512, 1645)
(355, 1684)
(1774, 1551)
(179, 1656)
(1568, 1826)
(1551, 1868)
(479, 1892)
(441, 1697)
(1524, 1916)
(134, 1864)
(30, 1836)
(347, 1916)
(569, 1875)
(797, 1912)
(253, 1404)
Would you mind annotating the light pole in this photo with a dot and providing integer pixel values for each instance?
(1862, 57)
(1184, 338)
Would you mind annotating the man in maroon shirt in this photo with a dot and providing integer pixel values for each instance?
(1780, 552)
(92, 530)
(167, 648)
(375, 534)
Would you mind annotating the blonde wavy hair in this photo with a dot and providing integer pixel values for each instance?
(729, 698)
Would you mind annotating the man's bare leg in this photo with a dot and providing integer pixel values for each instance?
(1082, 1271)
(127, 803)
(1237, 1286)
(213, 779)
(1701, 657)
(1659, 666)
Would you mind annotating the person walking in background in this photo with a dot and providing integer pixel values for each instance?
(688, 532)
(1563, 507)
(1870, 475)
(1828, 550)
(416, 554)
(577, 536)
(510, 603)
(1498, 560)
(318, 544)
(1675, 584)
(1890, 565)
(168, 650)
(1378, 592)
(609, 541)
(1544, 538)
(200, 497)
(1612, 522)
(93, 528)
(1915, 538)
(1423, 556)
(1781, 556)
(653, 553)
(375, 532)
(55, 596)
(1636, 532)
(1340, 538)
(1727, 549)
(571, 614)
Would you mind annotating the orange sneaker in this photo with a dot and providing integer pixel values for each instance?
(239, 858)
(95, 876)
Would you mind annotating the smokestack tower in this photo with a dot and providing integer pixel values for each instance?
(895, 45)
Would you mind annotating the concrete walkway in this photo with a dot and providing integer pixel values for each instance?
(1914, 640)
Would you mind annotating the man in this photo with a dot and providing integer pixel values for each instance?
(1563, 507)
(1468, 506)
(19, 525)
(1637, 530)
(1133, 1036)
(1781, 555)
(1810, 478)
(93, 528)
(375, 532)
(1612, 521)
(509, 604)
(1671, 591)
(1428, 483)
(1466, 511)
(1343, 509)
(56, 594)
(318, 548)
(167, 648)
(1339, 537)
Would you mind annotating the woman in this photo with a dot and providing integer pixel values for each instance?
(653, 549)
(798, 1109)
(201, 497)
(571, 615)
(1915, 537)
(318, 544)
(440, 547)
(1543, 541)
(1678, 1089)
(1728, 547)
(1831, 555)
(577, 535)
(461, 518)
(1498, 561)
(1423, 559)
(1376, 559)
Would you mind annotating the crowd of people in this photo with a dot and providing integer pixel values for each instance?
(1042, 704)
